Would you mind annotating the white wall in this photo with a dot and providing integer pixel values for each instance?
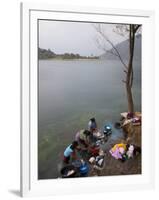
(10, 94)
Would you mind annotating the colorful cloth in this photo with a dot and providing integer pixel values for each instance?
(118, 150)
(119, 145)
(116, 154)
(68, 151)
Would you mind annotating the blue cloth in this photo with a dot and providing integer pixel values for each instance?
(68, 151)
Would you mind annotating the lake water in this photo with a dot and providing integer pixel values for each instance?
(70, 93)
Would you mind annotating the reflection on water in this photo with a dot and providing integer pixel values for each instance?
(70, 93)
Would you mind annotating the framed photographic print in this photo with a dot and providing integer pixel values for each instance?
(87, 92)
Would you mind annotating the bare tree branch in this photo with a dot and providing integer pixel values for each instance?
(125, 71)
(136, 28)
(98, 29)
(121, 30)
(129, 30)
(112, 52)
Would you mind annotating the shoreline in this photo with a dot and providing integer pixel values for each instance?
(73, 59)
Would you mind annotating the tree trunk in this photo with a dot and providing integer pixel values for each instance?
(128, 68)
(129, 78)
(130, 99)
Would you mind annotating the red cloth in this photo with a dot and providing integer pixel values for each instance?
(94, 151)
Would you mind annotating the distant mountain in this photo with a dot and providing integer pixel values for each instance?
(123, 48)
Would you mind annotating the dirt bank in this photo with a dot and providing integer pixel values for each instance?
(133, 133)
(117, 167)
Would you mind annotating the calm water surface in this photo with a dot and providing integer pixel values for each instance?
(71, 92)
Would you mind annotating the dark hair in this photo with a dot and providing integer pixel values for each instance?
(92, 119)
(74, 145)
(86, 132)
(127, 146)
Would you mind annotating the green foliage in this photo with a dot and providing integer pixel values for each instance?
(47, 54)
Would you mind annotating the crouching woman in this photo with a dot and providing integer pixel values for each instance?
(70, 152)
(82, 137)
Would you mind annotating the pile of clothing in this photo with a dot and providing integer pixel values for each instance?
(98, 161)
(123, 151)
(134, 118)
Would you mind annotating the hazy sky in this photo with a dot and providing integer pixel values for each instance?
(73, 37)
